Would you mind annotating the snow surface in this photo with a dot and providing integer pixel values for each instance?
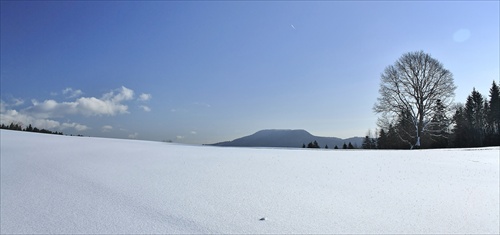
(62, 184)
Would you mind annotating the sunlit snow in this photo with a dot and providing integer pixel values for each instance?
(62, 184)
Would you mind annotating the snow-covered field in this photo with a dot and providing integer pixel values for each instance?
(61, 184)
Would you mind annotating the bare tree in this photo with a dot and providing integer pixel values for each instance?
(415, 84)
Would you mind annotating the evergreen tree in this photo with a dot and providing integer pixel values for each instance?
(438, 127)
(475, 117)
(350, 146)
(303, 145)
(326, 146)
(313, 145)
(404, 129)
(15, 127)
(344, 146)
(493, 116)
(393, 141)
(460, 128)
(336, 147)
(382, 140)
(374, 143)
(367, 143)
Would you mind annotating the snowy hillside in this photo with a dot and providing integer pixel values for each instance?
(61, 184)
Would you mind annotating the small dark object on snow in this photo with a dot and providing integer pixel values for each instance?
(263, 218)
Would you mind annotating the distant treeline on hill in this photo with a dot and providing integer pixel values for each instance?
(315, 145)
(29, 128)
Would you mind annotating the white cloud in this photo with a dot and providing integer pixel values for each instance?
(51, 109)
(3, 106)
(13, 116)
(123, 94)
(133, 136)
(70, 93)
(145, 108)
(17, 102)
(97, 107)
(106, 128)
(110, 105)
(194, 132)
(76, 126)
(144, 97)
(41, 114)
(180, 137)
(202, 104)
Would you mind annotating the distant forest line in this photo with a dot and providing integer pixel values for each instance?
(29, 128)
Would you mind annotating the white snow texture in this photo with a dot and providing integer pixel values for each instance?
(62, 184)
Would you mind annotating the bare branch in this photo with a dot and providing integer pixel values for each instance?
(414, 83)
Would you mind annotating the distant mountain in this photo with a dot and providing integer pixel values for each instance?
(289, 139)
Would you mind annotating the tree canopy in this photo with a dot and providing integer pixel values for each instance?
(409, 91)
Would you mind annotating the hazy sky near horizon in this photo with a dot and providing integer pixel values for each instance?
(204, 72)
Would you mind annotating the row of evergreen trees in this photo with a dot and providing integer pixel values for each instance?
(29, 128)
(315, 145)
(475, 124)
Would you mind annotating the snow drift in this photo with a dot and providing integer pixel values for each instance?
(61, 184)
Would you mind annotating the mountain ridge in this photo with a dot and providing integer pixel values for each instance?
(288, 138)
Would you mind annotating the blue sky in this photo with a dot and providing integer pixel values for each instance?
(203, 72)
